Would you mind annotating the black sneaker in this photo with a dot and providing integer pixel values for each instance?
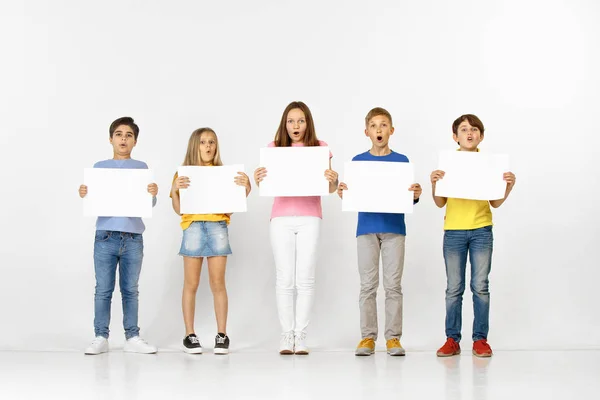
(221, 344)
(191, 344)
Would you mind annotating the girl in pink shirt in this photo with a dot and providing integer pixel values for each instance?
(295, 223)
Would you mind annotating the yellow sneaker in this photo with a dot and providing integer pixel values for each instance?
(366, 347)
(394, 348)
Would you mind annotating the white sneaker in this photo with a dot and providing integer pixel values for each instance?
(98, 346)
(300, 343)
(286, 344)
(138, 345)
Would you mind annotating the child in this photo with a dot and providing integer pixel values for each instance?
(204, 235)
(295, 223)
(119, 241)
(468, 229)
(380, 234)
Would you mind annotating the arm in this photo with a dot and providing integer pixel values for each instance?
(181, 182)
(417, 190)
(436, 176)
(243, 180)
(510, 179)
(153, 190)
(259, 174)
(332, 177)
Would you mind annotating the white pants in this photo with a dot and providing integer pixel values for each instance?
(294, 241)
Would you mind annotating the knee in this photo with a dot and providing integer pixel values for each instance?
(393, 290)
(480, 288)
(217, 286)
(284, 282)
(190, 286)
(369, 288)
(455, 289)
(129, 292)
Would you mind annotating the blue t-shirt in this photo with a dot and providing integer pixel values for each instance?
(122, 224)
(369, 222)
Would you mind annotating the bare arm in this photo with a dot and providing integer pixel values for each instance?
(436, 176)
(181, 182)
(510, 179)
(332, 177)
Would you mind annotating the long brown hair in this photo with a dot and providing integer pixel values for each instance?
(282, 139)
(192, 156)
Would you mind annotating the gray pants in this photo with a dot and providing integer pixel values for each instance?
(391, 248)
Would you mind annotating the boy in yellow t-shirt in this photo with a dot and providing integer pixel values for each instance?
(468, 231)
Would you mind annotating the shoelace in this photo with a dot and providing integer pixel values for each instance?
(289, 338)
(221, 340)
(194, 340)
(301, 336)
(365, 342)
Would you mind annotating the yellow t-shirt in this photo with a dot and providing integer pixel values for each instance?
(467, 214)
(187, 219)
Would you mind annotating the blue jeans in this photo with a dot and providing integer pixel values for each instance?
(127, 250)
(478, 243)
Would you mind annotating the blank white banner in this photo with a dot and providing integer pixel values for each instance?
(295, 171)
(212, 190)
(472, 175)
(117, 192)
(378, 186)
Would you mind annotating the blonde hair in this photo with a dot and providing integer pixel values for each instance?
(192, 156)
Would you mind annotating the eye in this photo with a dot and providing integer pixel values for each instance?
(301, 121)
(290, 121)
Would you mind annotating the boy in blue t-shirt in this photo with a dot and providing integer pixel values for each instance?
(119, 241)
(380, 234)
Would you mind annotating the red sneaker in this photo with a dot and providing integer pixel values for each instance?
(481, 348)
(450, 348)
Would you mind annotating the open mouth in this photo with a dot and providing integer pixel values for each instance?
(379, 138)
(296, 133)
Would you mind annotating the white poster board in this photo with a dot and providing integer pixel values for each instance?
(472, 175)
(212, 190)
(117, 192)
(378, 186)
(295, 171)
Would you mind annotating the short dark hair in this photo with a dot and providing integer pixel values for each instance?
(124, 121)
(472, 119)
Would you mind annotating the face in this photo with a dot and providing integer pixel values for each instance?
(468, 137)
(123, 140)
(208, 147)
(296, 125)
(379, 130)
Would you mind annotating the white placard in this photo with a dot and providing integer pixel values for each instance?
(295, 171)
(378, 186)
(472, 175)
(212, 190)
(117, 192)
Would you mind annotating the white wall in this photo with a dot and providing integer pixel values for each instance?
(527, 68)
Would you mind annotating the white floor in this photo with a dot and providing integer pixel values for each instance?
(332, 375)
